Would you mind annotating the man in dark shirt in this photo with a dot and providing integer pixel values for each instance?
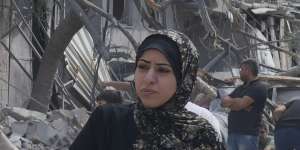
(287, 129)
(246, 103)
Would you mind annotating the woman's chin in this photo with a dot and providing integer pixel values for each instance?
(150, 104)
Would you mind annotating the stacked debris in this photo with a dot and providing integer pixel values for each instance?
(25, 129)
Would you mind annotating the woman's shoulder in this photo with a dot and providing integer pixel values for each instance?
(117, 107)
(114, 110)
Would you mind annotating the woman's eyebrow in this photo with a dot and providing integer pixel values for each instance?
(163, 64)
(159, 64)
(146, 61)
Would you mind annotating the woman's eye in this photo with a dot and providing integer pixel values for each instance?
(163, 70)
(142, 66)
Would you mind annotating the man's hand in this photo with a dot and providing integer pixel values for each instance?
(249, 108)
(278, 112)
(230, 81)
(226, 101)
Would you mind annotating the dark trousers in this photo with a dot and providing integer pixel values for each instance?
(287, 139)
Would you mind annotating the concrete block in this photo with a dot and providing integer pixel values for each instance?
(57, 114)
(23, 114)
(5, 144)
(19, 128)
(15, 139)
(5, 129)
(81, 116)
(40, 132)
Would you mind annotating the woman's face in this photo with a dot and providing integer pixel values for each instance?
(155, 81)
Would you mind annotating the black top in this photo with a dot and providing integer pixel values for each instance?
(116, 121)
(248, 121)
(291, 117)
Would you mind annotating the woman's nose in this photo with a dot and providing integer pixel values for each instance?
(150, 76)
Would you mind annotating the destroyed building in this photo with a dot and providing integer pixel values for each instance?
(54, 54)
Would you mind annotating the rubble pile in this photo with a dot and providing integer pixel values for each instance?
(24, 129)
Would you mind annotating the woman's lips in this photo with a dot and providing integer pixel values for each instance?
(148, 92)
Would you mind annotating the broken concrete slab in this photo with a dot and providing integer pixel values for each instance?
(33, 130)
(19, 128)
(81, 116)
(41, 132)
(22, 113)
(15, 139)
(5, 144)
(6, 124)
(78, 116)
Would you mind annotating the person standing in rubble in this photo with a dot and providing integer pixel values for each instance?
(287, 127)
(246, 104)
(166, 65)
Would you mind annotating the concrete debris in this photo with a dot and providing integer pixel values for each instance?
(8, 121)
(284, 81)
(19, 128)
(26, 130)
(78, 117)
(23, 114)
(5, 144)
(16, 140)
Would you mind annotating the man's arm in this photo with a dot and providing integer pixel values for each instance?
(237, 104)
(278, 111)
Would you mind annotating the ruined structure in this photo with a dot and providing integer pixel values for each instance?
(54, 54)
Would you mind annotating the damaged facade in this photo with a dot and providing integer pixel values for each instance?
(54, 54)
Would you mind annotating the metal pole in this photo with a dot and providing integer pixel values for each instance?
(29, 42)
(9, 55)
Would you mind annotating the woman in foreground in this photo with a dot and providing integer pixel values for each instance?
(166, 65)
